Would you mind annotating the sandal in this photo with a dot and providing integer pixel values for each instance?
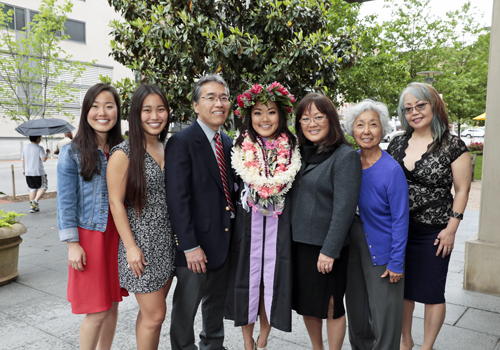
(257, 348)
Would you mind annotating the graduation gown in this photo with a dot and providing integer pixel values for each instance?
(260, 254)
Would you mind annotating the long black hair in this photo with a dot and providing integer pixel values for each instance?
(87, 140)
(282, 128)
(136, 192)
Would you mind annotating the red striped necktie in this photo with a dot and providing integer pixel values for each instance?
(222, 168)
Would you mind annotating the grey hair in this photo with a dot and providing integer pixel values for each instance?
(369, 105)
(207, 79)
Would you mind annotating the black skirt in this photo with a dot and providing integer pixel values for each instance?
(312, 290)
(425, 273)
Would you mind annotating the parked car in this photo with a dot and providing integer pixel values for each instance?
(392, 135)
(473, 133)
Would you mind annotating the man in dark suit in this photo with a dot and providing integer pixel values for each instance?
(199, 184)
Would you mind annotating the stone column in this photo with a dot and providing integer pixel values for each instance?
(482, 252)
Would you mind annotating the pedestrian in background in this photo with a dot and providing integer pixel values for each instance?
(85, 221)
(68, 136)
(33, 158)
(136, 182)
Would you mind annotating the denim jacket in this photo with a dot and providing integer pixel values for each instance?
(80, 203)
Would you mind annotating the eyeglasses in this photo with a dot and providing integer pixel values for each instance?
(420, 107)
(317, 120)
(213, 99)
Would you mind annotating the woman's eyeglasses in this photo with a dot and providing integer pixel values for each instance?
(317, 120)
(420, 107)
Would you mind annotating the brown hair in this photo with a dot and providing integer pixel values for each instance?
(335, 135)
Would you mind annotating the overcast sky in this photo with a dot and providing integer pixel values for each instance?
(439, 6)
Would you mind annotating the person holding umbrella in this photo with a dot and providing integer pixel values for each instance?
(33, 157)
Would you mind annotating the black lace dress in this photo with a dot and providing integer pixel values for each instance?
(431, 201)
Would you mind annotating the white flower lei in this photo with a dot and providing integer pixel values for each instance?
(269, 177)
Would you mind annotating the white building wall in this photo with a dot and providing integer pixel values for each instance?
(96, 14)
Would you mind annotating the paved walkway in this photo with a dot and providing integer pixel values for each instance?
(34, 313)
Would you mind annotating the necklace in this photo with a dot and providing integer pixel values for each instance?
(268, 169)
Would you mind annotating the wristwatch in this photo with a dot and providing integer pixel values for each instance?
(457, 215)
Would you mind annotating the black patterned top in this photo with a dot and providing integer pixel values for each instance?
(151, 230)
(430, 182)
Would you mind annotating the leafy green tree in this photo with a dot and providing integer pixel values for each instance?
(33, 72)
(304, 44)
(464, 63)
(391, 54)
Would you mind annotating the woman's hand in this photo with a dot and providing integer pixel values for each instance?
(76, 256)
(325, 263)
(136, 261)
(446, 242)
(394, 276)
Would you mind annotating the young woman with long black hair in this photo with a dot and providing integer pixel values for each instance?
(85, 221)
(136, 177)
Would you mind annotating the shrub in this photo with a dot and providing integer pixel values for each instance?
(475, 147)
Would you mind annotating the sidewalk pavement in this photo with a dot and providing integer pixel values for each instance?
(34, 312)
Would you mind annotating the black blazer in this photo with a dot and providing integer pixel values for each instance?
(197, 205)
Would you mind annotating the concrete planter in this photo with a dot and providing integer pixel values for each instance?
(9, 252)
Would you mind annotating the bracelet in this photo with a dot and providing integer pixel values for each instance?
(457, 215)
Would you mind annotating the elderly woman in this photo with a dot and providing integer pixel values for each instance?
(328, 190)
(378, 238)
(433, 160)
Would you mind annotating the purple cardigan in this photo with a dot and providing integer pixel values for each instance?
(384, 211)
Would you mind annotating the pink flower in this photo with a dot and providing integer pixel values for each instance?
(251, 164)
(270, 144)
(292, 98)
(283, 91)
(282, 152)
(288, 110)
(280, 168)
(247, 146)
(237, 112)
(263, 193)
(256, 89)
(273, 85)
(248, 95)
(240, 101)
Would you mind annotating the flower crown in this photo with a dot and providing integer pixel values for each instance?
(274, 92)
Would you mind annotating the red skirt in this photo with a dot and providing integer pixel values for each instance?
(97, 286)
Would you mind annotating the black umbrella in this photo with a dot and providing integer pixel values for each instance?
(49, 126)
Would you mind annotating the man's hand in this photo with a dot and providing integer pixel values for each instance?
(196, 261)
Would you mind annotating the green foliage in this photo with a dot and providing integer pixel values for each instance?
(353, 143)
(32, 68)
(125, 88)
(303, 44)
(478, 169)
(7, 219)
(415, 40)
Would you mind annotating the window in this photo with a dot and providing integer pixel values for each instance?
(10, 23)
(20, 18)
(75, 30)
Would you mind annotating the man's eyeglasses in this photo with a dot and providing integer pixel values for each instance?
(213, 99)
(317, 120)
(420, 107)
